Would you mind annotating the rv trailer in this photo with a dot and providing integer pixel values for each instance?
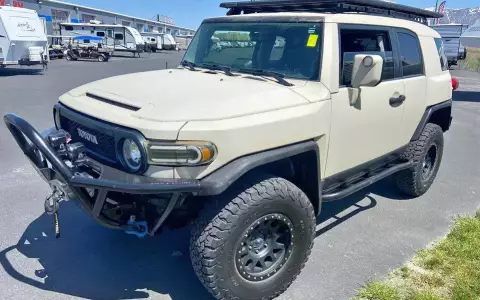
(22, 37)
(153, 39)
(121, 38)
(450, 34)
(169, 42)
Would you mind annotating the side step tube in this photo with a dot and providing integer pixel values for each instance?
(365, 183)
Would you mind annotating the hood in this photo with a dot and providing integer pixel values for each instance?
(181, 95)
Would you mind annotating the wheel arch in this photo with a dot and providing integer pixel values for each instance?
(439, 114)
(298, 163)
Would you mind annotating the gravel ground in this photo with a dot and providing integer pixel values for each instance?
(359, 238)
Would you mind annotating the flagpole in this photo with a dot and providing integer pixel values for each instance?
(436, 6)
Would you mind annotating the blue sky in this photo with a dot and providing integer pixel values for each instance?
(190, 13)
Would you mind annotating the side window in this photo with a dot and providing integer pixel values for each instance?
(365, 41)
(110, 33)
(441, 53)
(412, 63)
(69, 28)
(118, 36)
(100, 33)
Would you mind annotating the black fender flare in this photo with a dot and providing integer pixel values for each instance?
(220, 180)
(428, 115)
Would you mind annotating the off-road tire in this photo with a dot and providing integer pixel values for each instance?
(410, 181)
(224, 221)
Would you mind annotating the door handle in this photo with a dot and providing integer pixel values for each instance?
(397, 101)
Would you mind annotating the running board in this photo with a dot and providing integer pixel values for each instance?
(351, 189)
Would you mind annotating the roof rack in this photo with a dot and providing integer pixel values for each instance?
(374, 7)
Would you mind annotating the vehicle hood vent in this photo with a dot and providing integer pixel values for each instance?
(111, 102)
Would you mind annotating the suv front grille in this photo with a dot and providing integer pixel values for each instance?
(97, 143)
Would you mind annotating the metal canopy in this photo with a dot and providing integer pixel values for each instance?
(374, 7)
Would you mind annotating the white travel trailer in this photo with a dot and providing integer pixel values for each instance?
(153, 39)
(471, 37)
(22, 37)
(122, 38)
(169, 42)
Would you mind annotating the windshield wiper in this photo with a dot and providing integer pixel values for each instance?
(259, 72)
(188, 64)
(225, 69)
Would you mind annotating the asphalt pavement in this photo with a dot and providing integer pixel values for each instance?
(360, 238)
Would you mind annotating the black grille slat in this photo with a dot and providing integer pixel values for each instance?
(106, 143)
(114, 103)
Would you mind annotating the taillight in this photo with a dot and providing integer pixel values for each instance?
(455, 83)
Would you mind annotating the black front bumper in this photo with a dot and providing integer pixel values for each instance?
(52, 167)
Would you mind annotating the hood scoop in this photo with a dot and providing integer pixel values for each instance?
(112, 102)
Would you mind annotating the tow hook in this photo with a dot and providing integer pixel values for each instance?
(140, 229)
(52, 202)
(51, 208)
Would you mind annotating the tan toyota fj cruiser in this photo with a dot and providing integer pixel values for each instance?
(278, 107)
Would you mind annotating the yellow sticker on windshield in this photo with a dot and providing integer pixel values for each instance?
(312, 40)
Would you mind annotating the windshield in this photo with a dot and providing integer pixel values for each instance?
(291, 49)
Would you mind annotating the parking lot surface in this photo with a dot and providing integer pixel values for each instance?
(359, 238)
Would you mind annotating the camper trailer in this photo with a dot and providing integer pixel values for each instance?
(169, 42)
(450, 34)
(122, 38)
(153, 39)
(22, 37)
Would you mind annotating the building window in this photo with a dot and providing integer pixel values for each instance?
(150, 28)
(58, 17)
(125, 23)
(140, 27)
(87, 18)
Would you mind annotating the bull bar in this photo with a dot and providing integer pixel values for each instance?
(53, 169)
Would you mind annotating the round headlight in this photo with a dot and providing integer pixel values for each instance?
(132, 155)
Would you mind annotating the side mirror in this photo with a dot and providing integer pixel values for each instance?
(367, 71)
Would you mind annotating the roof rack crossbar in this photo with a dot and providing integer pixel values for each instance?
(373, 7)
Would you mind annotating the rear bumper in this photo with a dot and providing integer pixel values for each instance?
(53, 166)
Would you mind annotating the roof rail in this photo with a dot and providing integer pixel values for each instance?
(373, 7)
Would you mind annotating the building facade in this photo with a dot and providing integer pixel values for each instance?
(56, 12)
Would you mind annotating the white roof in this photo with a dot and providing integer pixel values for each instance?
(116, 14)
(94, 25)
(19, 9)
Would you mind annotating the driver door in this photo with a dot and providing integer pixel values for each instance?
(362, 134)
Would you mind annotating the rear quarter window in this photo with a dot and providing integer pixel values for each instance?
(412, 62)
(441, 53)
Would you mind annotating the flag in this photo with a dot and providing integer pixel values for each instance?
(441, 9)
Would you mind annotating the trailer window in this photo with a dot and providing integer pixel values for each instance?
(110, 33)
(118, 36)
(441, 53)
(101, 33)
(69, 28)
